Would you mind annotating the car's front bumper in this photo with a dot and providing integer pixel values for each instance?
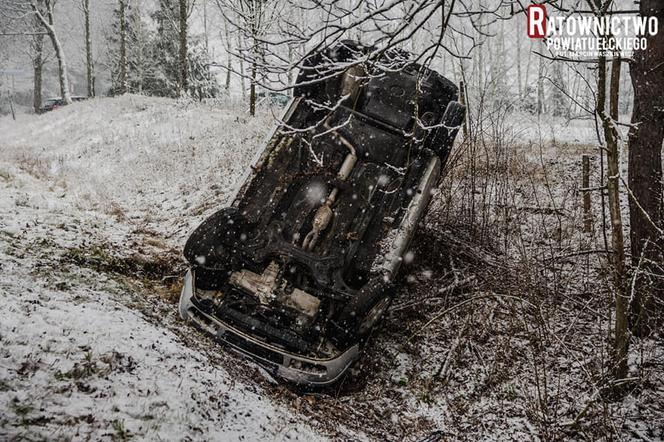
(292, 367)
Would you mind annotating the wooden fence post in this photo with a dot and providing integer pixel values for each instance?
(462, 100)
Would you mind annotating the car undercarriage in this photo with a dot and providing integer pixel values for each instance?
(299, 269)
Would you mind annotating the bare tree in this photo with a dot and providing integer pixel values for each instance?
(607, 97)
(611, 137)
(251, 18)
(89, 63)
(229, 58)
(611, 147)
(645, 172)
(123, 80)
(37, 66)
(43, 10)
(183, 58)
(540, 87)
(17, 19)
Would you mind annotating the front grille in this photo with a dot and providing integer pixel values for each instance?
(234, 339)
(254, 326)
(253, 349)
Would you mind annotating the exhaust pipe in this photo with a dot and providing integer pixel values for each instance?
(325, 213)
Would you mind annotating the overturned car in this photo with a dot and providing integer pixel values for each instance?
(298, 270)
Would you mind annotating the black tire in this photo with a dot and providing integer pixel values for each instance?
(214, 244)
(362, 313)
(453, 118)
(308, 81)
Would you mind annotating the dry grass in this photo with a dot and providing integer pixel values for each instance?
(33, 165)
(531, 332)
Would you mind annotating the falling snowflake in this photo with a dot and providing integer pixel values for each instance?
(316, 193)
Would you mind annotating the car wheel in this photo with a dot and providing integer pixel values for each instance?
(373, 315)
(363, 312)
(213, 244)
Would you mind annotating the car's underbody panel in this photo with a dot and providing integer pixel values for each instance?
(297, 271)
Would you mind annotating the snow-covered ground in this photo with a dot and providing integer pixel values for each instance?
(123, 177)
(97, 199)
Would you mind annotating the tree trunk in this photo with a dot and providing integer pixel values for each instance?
(63, 75)
(139, 41)
(124, 64)
(526, 76)
(252, 90)
(229, 59)
(645, 174)
(617, 239)
(540, 86)
(183, 59)
(519, 81)
(559, 92)
(88, 50)
(480, 60)
(37, 66)
(243, 87)
(205, 29)
(290, 64)
(228, 74)
(621, 343)
(11, 99)
(47, 23)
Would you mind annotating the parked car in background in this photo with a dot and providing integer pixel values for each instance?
(56, 102)
(271, 97)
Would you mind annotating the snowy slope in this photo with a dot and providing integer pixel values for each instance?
(138, 156)
(97, 199)
(83, 353)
